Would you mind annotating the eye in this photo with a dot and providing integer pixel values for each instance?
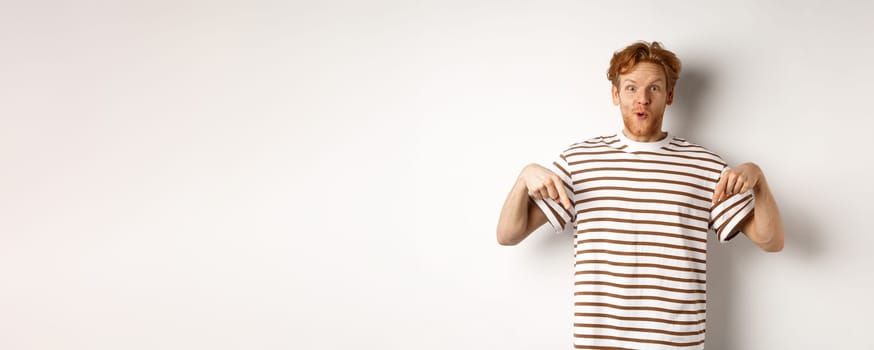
(631, 88)
(654, 88)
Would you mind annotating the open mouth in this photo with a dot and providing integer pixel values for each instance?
(640, 114)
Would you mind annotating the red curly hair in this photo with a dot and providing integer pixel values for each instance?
(642, 51)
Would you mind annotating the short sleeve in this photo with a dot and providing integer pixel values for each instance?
(559, 218)
(726, 216)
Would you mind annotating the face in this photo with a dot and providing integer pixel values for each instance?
(642, 96)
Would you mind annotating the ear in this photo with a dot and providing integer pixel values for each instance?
(670, 98)
(615, 91)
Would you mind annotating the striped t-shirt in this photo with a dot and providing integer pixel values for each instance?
(641, 215)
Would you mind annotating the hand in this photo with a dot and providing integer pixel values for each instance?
(737, 180)
(542, 183)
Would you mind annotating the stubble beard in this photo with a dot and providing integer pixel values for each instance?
(649, 128)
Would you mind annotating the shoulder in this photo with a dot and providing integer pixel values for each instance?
(592, 144)
(681, 146)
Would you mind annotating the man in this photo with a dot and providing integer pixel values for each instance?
(641, 203)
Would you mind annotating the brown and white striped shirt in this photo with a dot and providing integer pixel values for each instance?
(641, 214)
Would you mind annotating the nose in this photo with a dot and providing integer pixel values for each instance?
(643, 97)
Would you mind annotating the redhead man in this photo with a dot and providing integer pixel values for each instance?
(641, 203)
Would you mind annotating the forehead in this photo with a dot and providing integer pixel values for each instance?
(643, 73)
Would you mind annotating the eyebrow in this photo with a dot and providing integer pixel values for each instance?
(634, 82)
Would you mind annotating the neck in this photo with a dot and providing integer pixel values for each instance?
(645, 138)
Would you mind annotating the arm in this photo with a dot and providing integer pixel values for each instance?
(519, 215)
(764, 226)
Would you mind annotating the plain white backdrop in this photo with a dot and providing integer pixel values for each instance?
(328, 175)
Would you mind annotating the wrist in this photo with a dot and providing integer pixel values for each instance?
(761, 183)
(523, 174)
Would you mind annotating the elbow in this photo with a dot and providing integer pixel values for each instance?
(775, 245)
(505, 238)
(505, 241)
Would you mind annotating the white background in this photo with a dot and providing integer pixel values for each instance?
(328, 175)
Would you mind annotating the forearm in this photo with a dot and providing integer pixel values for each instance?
(766, 227)
(513, 221)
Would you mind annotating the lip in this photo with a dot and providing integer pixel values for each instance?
(641, 115)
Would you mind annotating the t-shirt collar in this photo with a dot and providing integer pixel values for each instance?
(633, 146)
